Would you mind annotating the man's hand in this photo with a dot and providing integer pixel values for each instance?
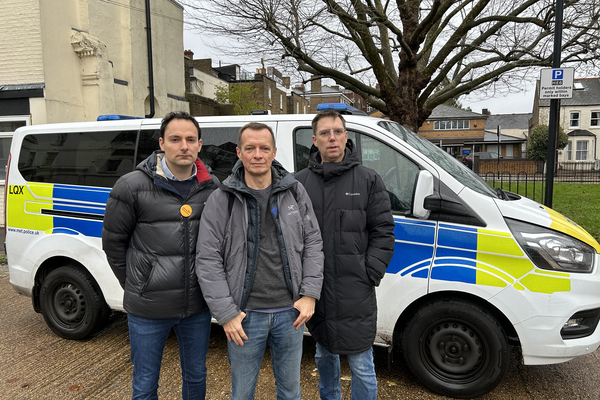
(306, 306)
(234, 331)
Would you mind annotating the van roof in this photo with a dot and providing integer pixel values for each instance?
(137, 123)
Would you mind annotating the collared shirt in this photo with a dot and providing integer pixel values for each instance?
(170, 175)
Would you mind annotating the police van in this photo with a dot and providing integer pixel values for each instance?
(475, 269)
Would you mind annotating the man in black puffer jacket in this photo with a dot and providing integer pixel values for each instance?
(149, 236)
(353, 209)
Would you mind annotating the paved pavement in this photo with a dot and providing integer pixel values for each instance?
(38, 365)
(2, 236)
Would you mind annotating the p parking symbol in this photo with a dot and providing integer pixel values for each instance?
(557, 74)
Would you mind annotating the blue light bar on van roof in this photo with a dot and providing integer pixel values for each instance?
(114, 117)
(341, 107)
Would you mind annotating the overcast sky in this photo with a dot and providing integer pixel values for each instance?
(516, 103)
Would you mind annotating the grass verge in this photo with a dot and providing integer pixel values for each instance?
(577, 201)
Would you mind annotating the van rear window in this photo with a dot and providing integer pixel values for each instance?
(83, 158)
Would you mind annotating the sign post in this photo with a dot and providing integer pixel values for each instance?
(554, 102)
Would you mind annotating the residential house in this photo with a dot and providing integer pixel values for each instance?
(460, 132)
(320, 94)
(357, 101)
(271, 93)
(455, 130)
(273, 89)
(202, 82)
(297, 103)
(579, 117)
(514, 130)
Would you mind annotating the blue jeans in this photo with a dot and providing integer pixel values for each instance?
(285, 344)
(362, 369)
(148, 337)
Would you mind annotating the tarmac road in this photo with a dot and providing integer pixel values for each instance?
(37, 364)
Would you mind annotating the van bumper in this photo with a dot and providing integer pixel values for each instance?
(542, 343)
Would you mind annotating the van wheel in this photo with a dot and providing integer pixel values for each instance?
(455, 349)
(72, 304)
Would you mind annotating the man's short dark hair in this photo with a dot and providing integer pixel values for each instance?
(178, 115)
(255, 126)
(326, 114)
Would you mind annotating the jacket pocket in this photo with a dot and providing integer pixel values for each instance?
(151, 266)
(341, 228)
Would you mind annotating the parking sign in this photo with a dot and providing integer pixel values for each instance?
(556, 83)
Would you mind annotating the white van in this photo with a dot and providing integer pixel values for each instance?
(474, 270)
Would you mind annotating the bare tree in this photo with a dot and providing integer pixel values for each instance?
(395, 54)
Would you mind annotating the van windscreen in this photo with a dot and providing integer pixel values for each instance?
(444, 160)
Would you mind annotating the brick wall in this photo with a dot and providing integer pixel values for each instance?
(512, 166)
(21, 43)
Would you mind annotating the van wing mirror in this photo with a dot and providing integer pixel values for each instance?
(423, 189)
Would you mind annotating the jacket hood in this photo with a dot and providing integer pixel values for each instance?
(282, 179)
(331, 169)
(153, 168)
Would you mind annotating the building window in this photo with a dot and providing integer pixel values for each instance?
(304, 109)
(297, 107)
(595, 121)
(280, 101)
(10, 124)
(574, 119)
(570, 151)
(269, 96)
(451, 125)
(581, 154)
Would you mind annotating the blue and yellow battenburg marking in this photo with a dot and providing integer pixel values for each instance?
(54, 208)
(469, 255)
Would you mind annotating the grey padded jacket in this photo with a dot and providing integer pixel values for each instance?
(227, 249)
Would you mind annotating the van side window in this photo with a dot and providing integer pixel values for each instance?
(78, 158)
(399, 173)
(219, 149)
(147, 144)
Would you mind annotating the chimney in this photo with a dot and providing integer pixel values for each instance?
(315, 84)
(300, 88)
(485, 111)
(189, 54)
(286, 81)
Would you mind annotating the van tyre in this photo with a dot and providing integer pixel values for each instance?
(72, 304)
(455, 349)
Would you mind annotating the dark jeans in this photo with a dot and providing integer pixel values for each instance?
(148, 338)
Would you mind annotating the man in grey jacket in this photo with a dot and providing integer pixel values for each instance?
(260, 264)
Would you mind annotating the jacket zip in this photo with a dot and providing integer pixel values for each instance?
(187, 268)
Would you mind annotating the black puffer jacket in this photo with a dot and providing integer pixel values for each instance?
(150, 245)
(353, 210)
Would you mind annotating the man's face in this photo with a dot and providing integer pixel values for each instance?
(180, 144)
(257, 152)
(330, 138)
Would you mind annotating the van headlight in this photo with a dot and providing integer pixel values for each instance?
(552, 250)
